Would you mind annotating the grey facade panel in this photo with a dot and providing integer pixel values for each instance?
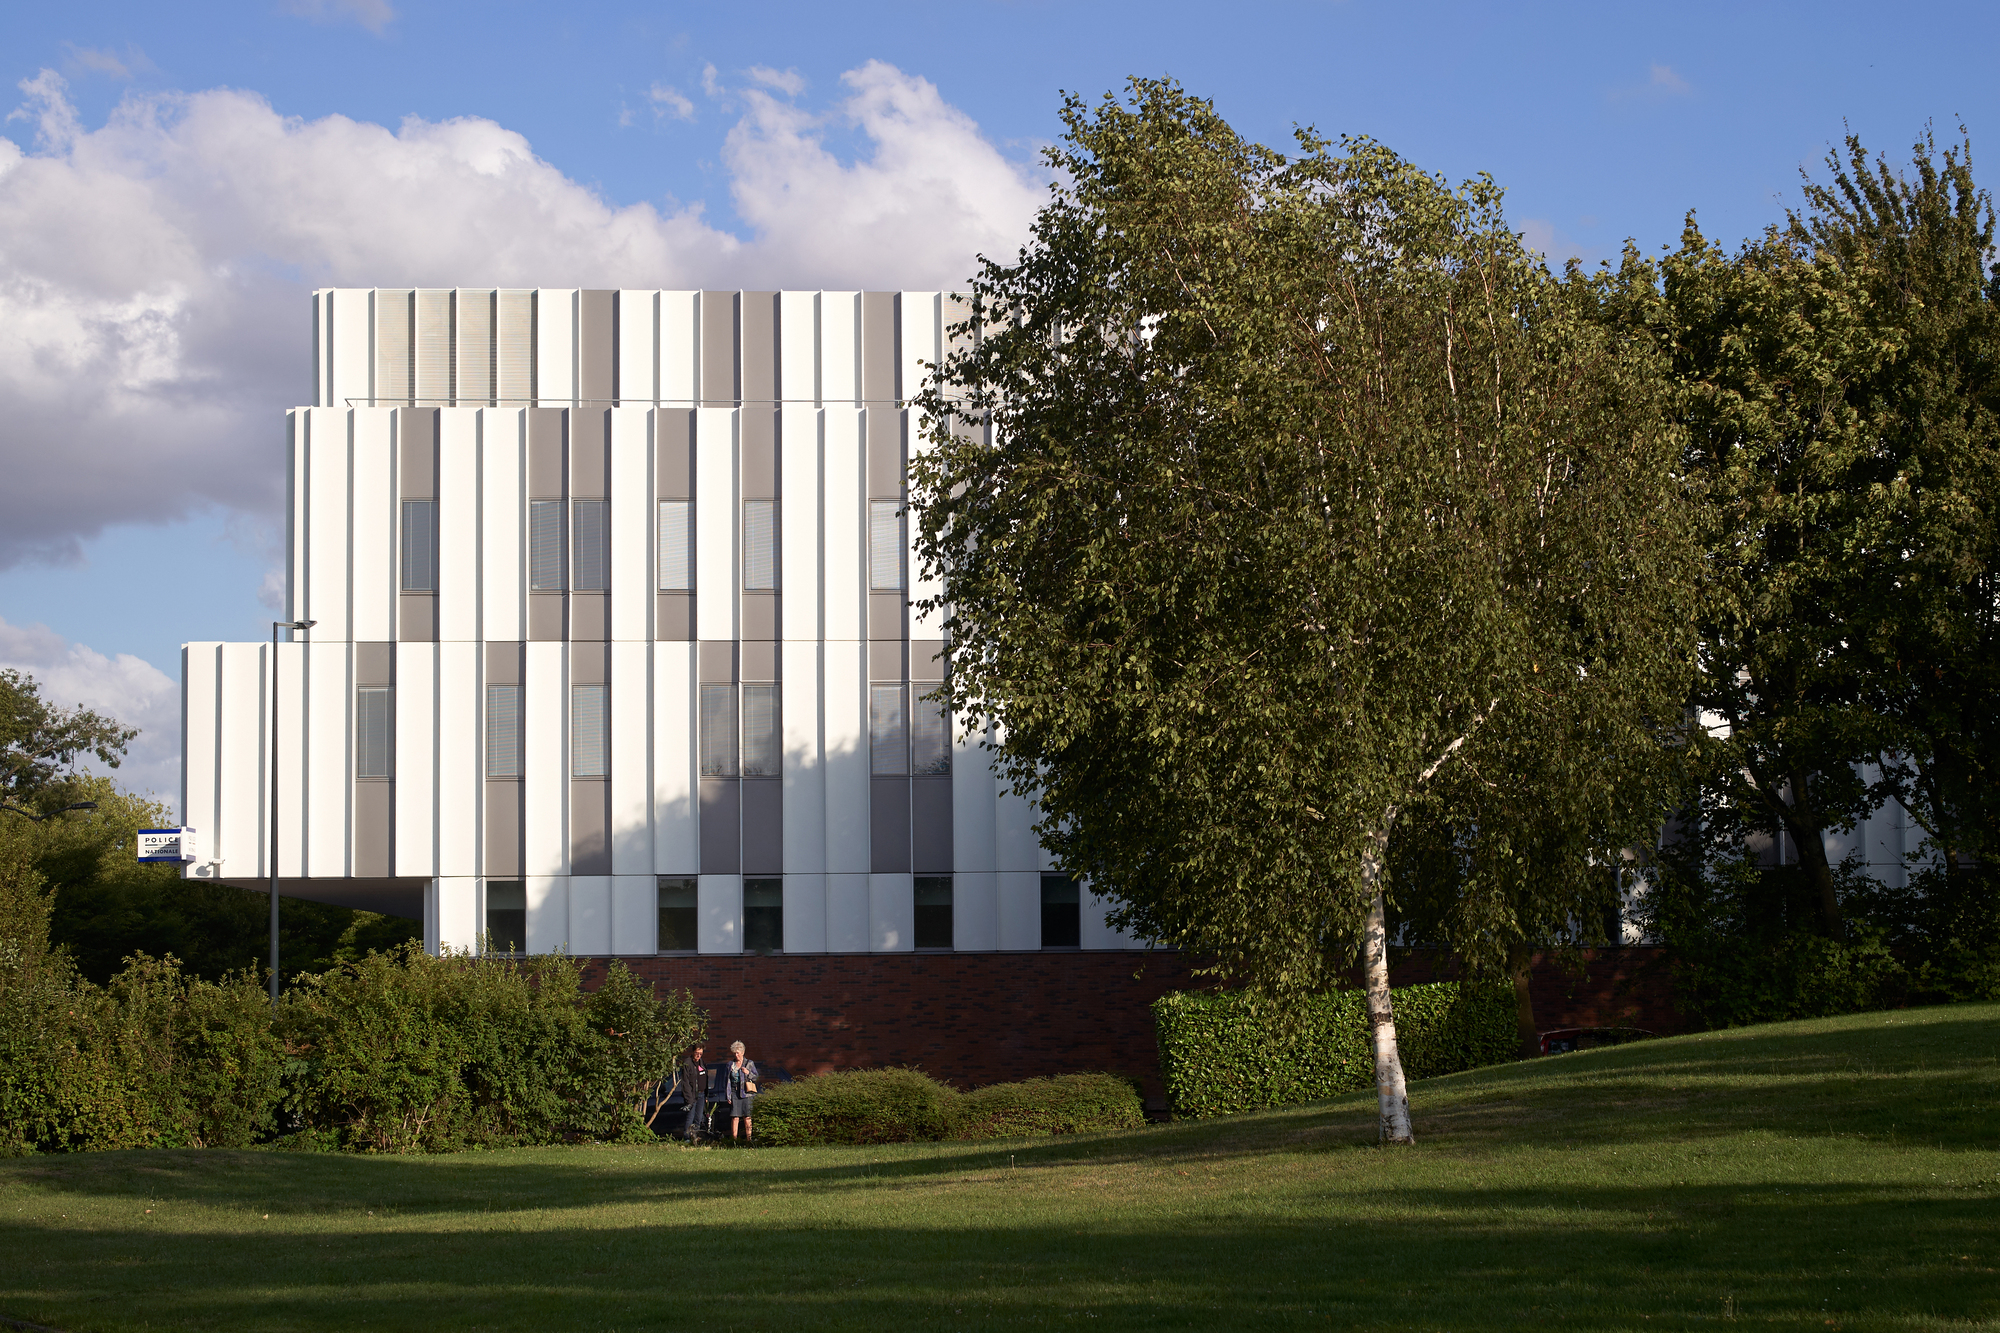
(885, 615)
(885, 659)
(596, 350)
(759, 661)
(760, 348)
(416, 617)
(589, 826)
(721, 828)
(547, 429)
(889, 825)
(503, 663)
(590, 664)
(878, 348)
(503, 827)
(673, 617)
(930, 826)
(416, 452)
(717, 664)
(763, 826)
(885, 452)
(545, 617)
(673, 453)
(590, 615)
(927, 659)
(590, 454)
(374, 828)
(759, 444)
(760, 615)
(374, 663)
(718, 349)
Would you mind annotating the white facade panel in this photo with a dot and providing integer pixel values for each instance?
(805, 912)
(680, 335)
(590, 915)
(798, 517)
(329, 773)
(635, 917)
(352, 332)
(1015, 846)
(847, 913)
(892, 914)
(241, 702)
(1020, 896)
(798, 348)
(975, 911)
(804, 766)
(545, 762)
(376, 538)
(975, 806)
(633, 525)
(839, 347)
(555, 346)
(631, 783)
(461, 771)
(458, 524)
(472, 375)
(502, 505)
(917, 339)
(844, 701)
(638, 364)
(290, 834)
(416, 761)
(459, 919)
(548, 912)
(716, 554)
(843, 514)
(676, 832)
(719, 914)
(324, 512)
(201, 761)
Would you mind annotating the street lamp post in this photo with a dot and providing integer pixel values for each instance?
(277, 625)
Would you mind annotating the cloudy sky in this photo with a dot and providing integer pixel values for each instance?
(175, 179)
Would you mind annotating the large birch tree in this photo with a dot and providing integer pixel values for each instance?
(1268, 494)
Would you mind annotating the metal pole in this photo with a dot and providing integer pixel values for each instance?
(277, 625)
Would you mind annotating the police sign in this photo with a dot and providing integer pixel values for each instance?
(166, 844)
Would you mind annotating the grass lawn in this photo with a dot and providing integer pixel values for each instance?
(1839, 1174)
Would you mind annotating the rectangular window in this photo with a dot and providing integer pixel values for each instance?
(760, 545)
(760, 731)
(1062, 914)
(889, 741)
(764, 915)
(676, 546)
(591, 525)
(506, 916)
(503, 731)
(372, 743)
(934, 911)
(420, 558)
(885, 545)
(589, 734)
(718, 731)
(546, 549)
(677, 920)
(930, 738)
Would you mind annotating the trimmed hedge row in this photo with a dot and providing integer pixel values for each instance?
(908, 1106)
(1220, 1053)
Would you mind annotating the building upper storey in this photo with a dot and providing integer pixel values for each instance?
(582, 347)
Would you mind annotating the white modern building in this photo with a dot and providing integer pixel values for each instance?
(614, 648)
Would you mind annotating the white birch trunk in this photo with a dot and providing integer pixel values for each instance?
(1392, 1093)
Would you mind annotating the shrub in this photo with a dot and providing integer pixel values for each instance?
(856, 1106)
(1064, 1104)
(1223, 1052)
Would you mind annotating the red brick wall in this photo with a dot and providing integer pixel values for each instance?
(1625, 987)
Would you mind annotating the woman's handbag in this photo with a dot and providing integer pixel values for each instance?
(749, 1087)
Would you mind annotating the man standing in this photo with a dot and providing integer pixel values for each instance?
(694, 1087)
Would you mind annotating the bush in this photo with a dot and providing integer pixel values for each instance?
(1223, 1052)
(1065, 1104)
(856, 1106)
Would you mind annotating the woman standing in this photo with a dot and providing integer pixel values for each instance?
(739, 1082)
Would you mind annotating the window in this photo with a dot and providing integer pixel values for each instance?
(764, 915)
(677, 915)
(760, 545)
(718, 731)
(420, 519)
(1062, 924)
(589, 738)
(372, 744)
(885, 545)
(545, 546)
(930, 738)
(676, 546)
(933, 911)
(503, 731)
(888, 738)
(760, 732)
(506, 916)
(591, 524)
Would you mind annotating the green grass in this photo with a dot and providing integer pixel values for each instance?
(1842, 1174)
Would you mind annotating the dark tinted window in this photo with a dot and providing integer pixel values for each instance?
(934, 911)
(764, 915)
(677, 917)
(506, 916)
(1062, 925)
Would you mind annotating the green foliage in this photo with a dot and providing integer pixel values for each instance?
(40, 744)
(644, 1034)
(1227, 1051)
(908, 1106)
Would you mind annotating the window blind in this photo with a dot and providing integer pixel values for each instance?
(371, 724)
(676, 546)
(761, 743)
(545, 546)
(589, 738)
(885, 545)
(503, 731)
(420, 546)
(760, 545)
(930, 738)
(888, 737)
(718, 731)
(592, 526)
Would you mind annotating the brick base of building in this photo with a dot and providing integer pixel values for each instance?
(971, 1019)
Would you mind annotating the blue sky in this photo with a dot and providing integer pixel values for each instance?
(145, 241)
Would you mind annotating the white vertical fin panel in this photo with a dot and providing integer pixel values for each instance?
(502, 502)
(555, 346)
(974, 815)
(1020, 896)
(461, 772)
(917, 339)
(847, 913)
(892, 914)
(975, 911)
(200, 804)
(291, 761)
(590, 915)
(242, 706)
(545, 762)
(716, 554)
(631, 783)
(548, 912)
(676, 840)
(458, 524)
(416, 759)
(635, 919)
(719, 914)
(680, 338)
(458, 921)
(325, 537)
(798, 518)
(804, 768)
(350, 341)
(638, 356)
(843, 508)
(474, 347)
(376, 535)
(805, 912)
(633, 572)
(839, 348)
(329, 768)
(298, 444)
(514, 347)
(798, 348)
(844, 704)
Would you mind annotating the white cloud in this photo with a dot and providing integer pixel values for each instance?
(154, 271)
(788, 81)
(1541, 236)
(1664, 79)
(92, 60)
(373, 15)
(669, 101)
(127, 688)
(1661, 83)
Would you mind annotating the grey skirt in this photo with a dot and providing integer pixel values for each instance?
(740, 1107)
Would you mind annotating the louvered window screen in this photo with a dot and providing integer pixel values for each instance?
(930, 738)
(676, 546)
(434, 347)
(718, 731)
(760, 545)
(392, 347)
(889, 743)
(372, 748)
(420, 545)
(589, 731)
(761, 741)
(514, 349)
(475, 348)
(545, 546)
(503, 731)
(885, 545)
(593, 545)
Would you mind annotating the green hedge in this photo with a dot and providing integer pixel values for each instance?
(1221, 1054)
(906, 1106)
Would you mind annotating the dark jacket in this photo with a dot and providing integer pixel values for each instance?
(734, 1078)
(694, 1081)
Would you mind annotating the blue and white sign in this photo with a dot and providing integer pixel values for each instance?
(166, 844)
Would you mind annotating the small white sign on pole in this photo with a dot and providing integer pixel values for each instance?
(166, 844)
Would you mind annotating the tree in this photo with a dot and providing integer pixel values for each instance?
(41, 744)
(1309, 491)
